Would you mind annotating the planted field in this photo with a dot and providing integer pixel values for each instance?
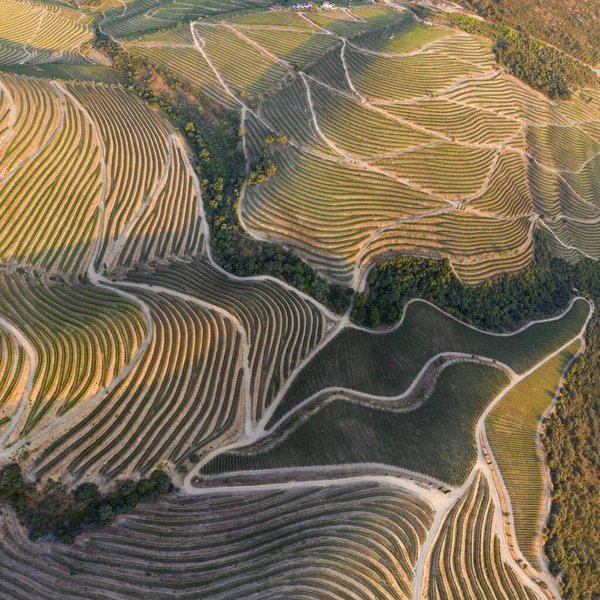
(68, 72)
(13, 369)
(458, 121)
(344, 121)
(40, 32)
(449, 170)
(84, 337)
(437, 438)
(292, 45)
(402, 36)
(136, 17)
(77, 157)
(512, 428)
(383, 100)
(281, 327)
(346, 541)
(381, 77)
(49, 213)
(182, 394)
(466, 561)
(291, 206)
(386, 364)
(170, 222)
(256, 74)
(351, 23)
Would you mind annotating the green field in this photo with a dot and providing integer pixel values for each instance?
(512, 428)
(437, 438)
(385, 364)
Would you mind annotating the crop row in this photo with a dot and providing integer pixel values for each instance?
(346, 541)
(460, 122)
(449, 170)
(83, 335)
(183, 394)
(508, 193)
(143, 149)
(493, 264)
(65, 150)
(292, 45)
(466, 561)
(287, 112)
(12, 368)
(282, 328)
(469, 240)
(43, 26)
(469, 49)
(401, 78)
(508, 97)
(405, 34)
(171, 223)
(561, 148)
(437, 438)
(362, 19)
(328, 209)
(361, 132)
(48, 206)
(256, 74)
(512, 431)
(34, 115)
(386, 364)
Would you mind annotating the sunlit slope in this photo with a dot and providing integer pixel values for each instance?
(401, 138)
(135, 17)
(82, 337)
(512, 428)
(183, 392)
(217, 352)
(282, 328)
(39, 32)
(82, 160)
(348, 541)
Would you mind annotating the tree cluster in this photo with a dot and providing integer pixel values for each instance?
(572, 444)
(571, 25)
(541, 66)
(57, 514)
(502, 303)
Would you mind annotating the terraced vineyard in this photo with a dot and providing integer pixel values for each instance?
(135, 17)
(87, 129)
(83, 338)
(311, 458)
(40, 32)
(347, 540)
(512, 428)
(467, 561)
(281, 328)
(420, 114)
